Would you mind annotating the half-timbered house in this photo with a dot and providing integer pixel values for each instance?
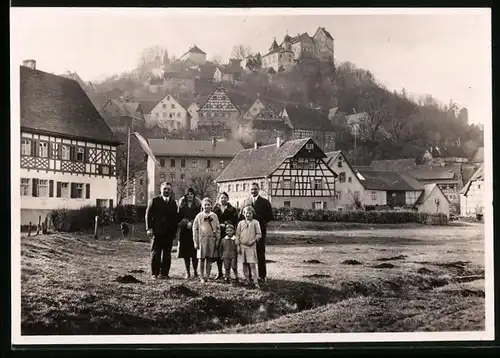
(68, 152)
(219, 113)
(293, 174)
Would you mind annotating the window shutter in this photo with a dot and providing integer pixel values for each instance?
(51, 188)
(86, 155)
(87, 191)
(58, 189)
(313, 206)
(34, 187)
(34, 148)
(59, 151)
(73, 190)
(111, 203)
(49, 150)
(325, 207)
(72, 153)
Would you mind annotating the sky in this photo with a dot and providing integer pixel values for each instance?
(445, 53)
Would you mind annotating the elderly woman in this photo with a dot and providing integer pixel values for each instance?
(206, 237)
(189, 207)
(227, 214)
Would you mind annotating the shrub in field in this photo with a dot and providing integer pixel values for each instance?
(71, 220)
(360, 216)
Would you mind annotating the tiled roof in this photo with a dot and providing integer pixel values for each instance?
(393, 165)
(196, 49)
(326, 32)
(306, 118)
(194, 148)
(58, 105)
(478, 175)
(425, 172)
(260, 162)
(184, 102)
(302, 37)
(147, 106)
(386, 180)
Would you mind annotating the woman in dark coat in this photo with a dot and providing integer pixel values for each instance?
(189, 207)
(227, 214)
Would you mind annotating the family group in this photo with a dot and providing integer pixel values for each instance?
(209, 233)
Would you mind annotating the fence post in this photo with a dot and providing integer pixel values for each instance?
(39, 224)
(29, 229)
(45, 225)
(95, 226)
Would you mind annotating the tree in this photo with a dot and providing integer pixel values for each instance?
(204, 186)
(150, 56)
(240, 52)
(217, 60)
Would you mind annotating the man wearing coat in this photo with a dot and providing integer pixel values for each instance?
(263, 214)
(161, 227)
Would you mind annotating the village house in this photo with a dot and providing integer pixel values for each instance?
(170, 114)
(137, 191)
(219, 113)
(452, 154)
(293, 174)
(68, 152)
(195, 55)
(395, 165)
(181, 161)
(472, 194)
(280, 57)
(179, 82)
(433, 201)
(307, 122)
(120, 113)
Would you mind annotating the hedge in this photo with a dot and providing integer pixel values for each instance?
(80, 219)
(359, 216)
(130, 214)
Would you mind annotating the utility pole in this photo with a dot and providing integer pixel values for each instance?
(355, 135)
(128, 158)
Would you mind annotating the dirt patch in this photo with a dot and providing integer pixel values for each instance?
(385, 265)
(317, 275)
(127, 279)
(351, 262)
(459, 268)
(312, 261)
(466, 292)
(180, 291)
(425, 271)
(136, 271)
(400, 257)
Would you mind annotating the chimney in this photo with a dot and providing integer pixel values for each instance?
(278, 142)
(255, 146)
(30, 64)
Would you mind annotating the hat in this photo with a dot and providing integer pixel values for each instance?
(229, 226)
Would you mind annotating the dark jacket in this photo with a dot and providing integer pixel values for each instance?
(187, 213)
(229, 216)
(263, 212)
(162, 217)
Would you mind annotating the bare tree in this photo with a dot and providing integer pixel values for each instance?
(240, 52)
(150, 55)
(203, 185)
(217, 60)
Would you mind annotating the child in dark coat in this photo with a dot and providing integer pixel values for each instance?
(229, 253)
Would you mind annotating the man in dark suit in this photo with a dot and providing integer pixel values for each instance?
(161, 226)
(263, 214)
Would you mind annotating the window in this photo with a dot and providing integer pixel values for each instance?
(342, 177)
(162, 163)
(318, 184)
(79, 190)
(162, 177)
(25, 186)
(178, 115)
(43, 149)
(43, 187)
(237, 187)
(65, 152)
(183, 177)
(221, 164)
(349, 180)
(26, 147)
(356, 194)
(157, 114)
(172, 177)
(287, 183)
(244, 187)
(262, 185)
(312, 164)
(170, 115)
(80, 154)
(318, 205)
(105, 169)
(286, 204)
(64, 190)
(339, 164)
(141, 196)
(141, 181)
(183, 163)
(374, 195)
(172, 106)
(172, 163)
(209, 163)
(338, 195)
(479, 186)
(194, 163)
(164, 105)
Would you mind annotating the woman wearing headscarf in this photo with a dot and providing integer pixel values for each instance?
(227, 214)
(189, 207)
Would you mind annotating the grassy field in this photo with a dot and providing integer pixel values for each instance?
(323, 278)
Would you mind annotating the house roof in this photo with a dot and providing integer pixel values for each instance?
(393, 165)
(196, 49)
(479, 155)
(147, 106)
(184, 102)
(477, 176)
(425, 172)
(54, 104)
(426, 193)
(302, 38)
(260, 162)
(386, 180)
(326, 32)
(307, 118)
(194, 148)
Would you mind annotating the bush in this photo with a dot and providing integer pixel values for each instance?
(359, 216)
(80, 219)
(130, 214)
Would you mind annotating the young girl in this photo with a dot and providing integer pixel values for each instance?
(206, 237)
(247, 234)
(229, 253)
